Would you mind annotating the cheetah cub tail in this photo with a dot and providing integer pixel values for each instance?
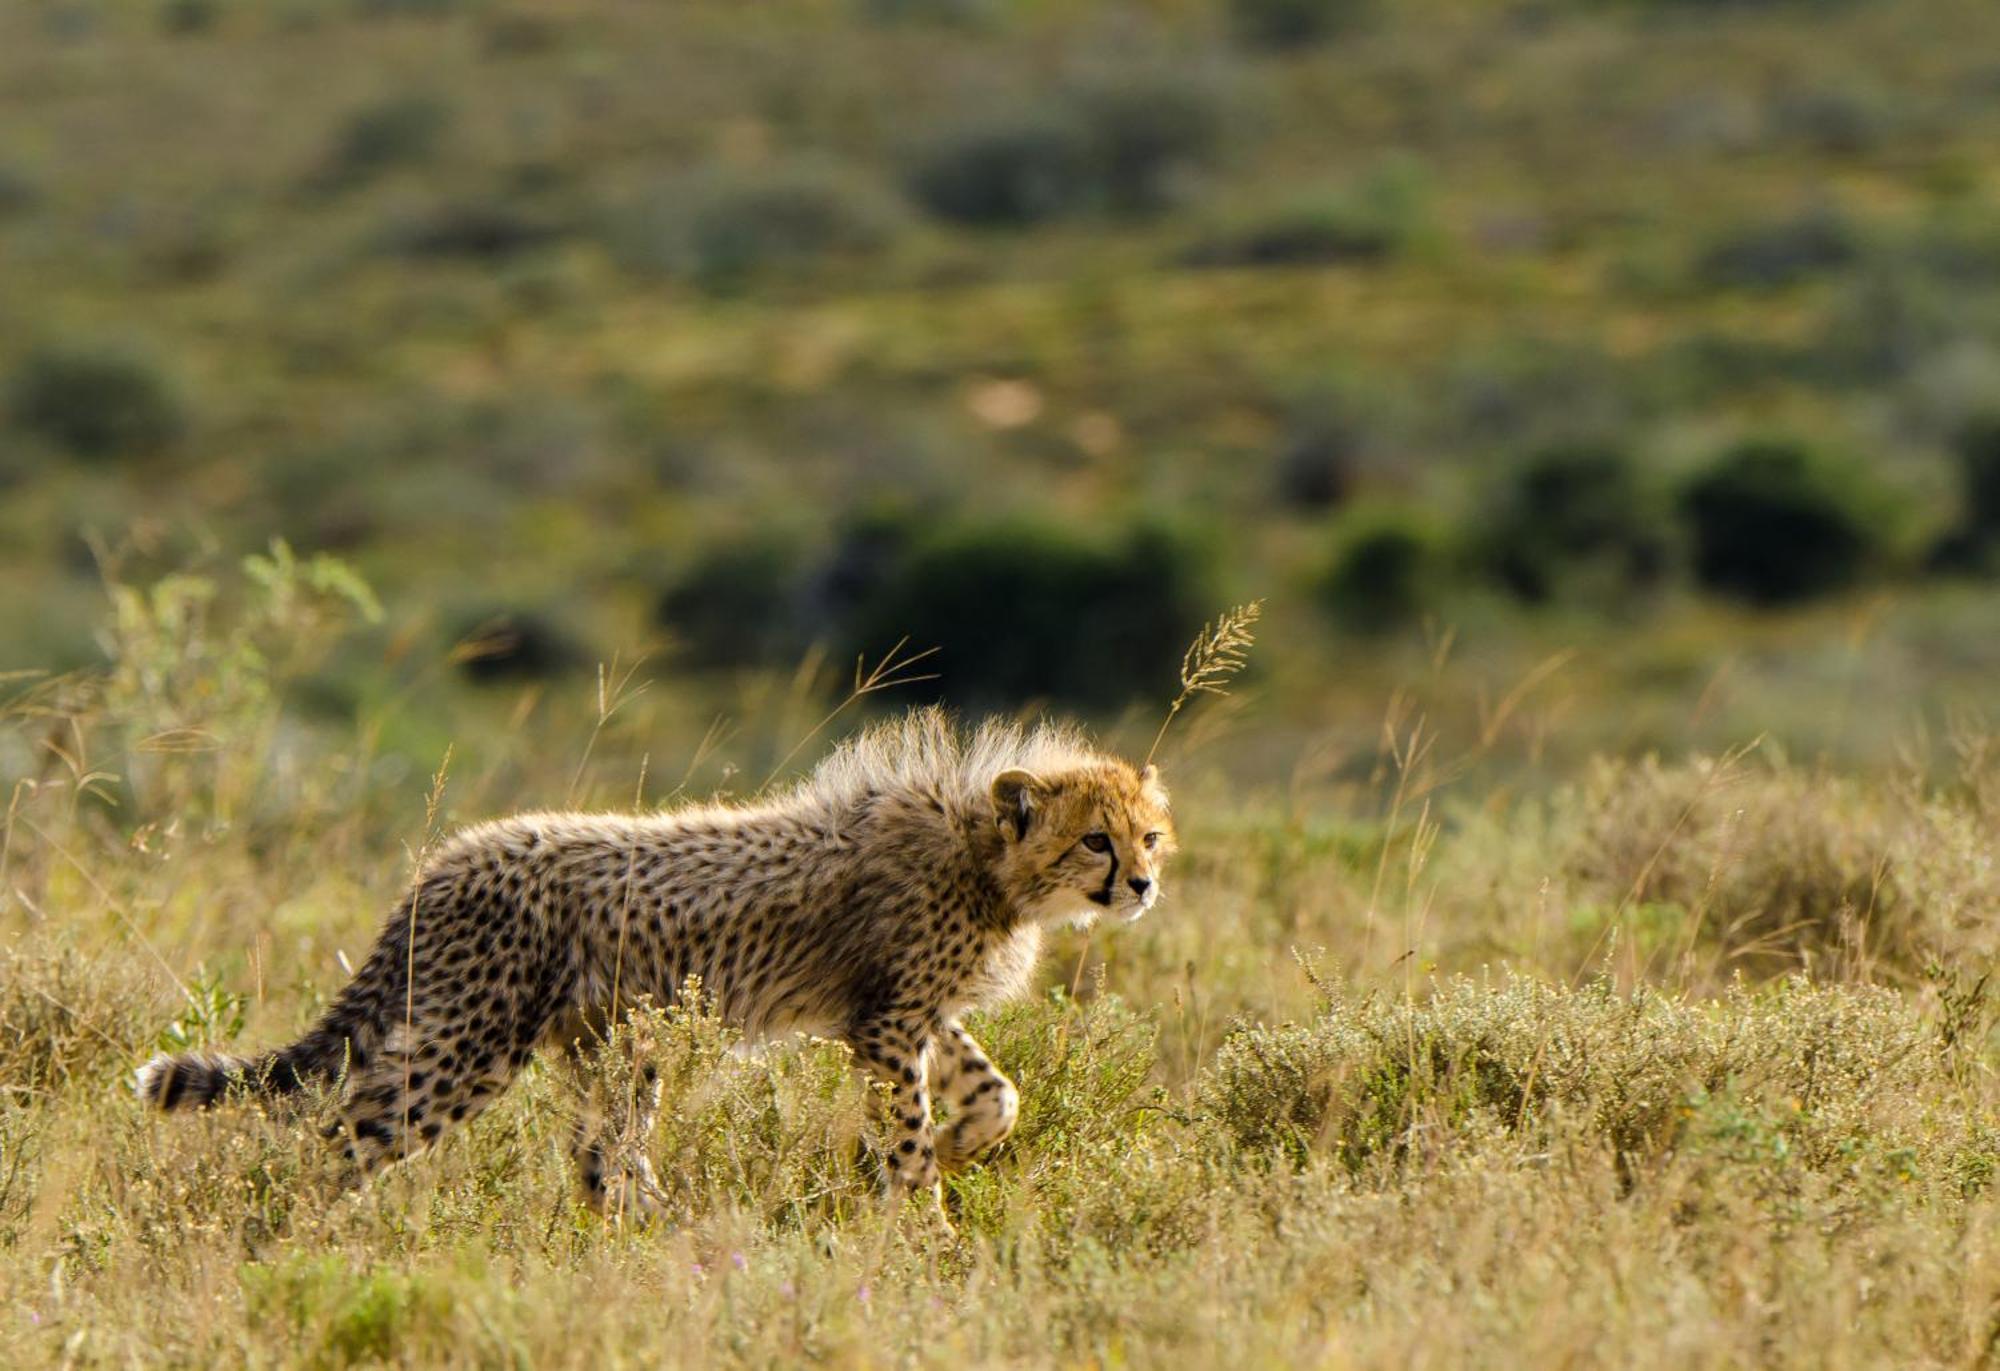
(196, 1080)
(191, 1080)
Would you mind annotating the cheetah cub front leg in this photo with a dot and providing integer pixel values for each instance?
(984, 1103)
(894, 1053)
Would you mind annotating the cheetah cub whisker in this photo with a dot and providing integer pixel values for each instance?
(907, 880)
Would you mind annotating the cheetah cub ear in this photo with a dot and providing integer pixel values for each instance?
(1015, 795)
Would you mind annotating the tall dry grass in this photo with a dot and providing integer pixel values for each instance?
(1681, 1061)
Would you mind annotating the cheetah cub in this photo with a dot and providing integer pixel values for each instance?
(906, 880)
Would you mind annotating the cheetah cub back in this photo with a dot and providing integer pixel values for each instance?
(906, 880)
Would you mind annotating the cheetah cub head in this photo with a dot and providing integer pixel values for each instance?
(1079, 844)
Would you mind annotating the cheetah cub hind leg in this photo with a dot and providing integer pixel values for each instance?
(616, 1104)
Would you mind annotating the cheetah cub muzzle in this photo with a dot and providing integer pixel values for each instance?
(907, 880)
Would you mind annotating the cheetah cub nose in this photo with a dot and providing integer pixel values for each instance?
(1140, 885)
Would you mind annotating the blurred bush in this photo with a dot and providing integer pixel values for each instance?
(1773, 255)
(1974, 543)
(479, 229)
(1025, 610)
(186, 18)
(723, 227)
(1316, 470)
(1006, 169)
(402, 130)
(1775, 521)
(737, 604)
(1390, 563)
(1379, 215)
(1574, 520)
(1124, 141)
(515, 644)
(1149, 130)
(97, 400)
(1296, 23)
(18, 193)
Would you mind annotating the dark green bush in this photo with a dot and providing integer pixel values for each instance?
(1378, 216)
(481, 230)
(736, 228)
(1389, 565)
(1019, 166)
(1021, 610)
(1979, 475)
(515, 644)
(722, 227)
(97, 401)
(1771, 256)
(1973, 544)
(403, 130)
(18, 194)
(186, 18)
(1774, 522)
(1296, 23)
(1149, 129)
(1574, 517)
(1124, 141)
(736, 605)
(1316, 469)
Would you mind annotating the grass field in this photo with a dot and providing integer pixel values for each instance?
(413, 411)
(1684, 1062)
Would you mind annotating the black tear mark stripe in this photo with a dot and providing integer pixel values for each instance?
(1103, 896)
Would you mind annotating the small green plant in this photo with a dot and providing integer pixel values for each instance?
(212, 1015)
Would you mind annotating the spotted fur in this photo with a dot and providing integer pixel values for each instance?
(906, 880)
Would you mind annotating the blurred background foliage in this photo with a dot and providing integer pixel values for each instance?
(1665, 333)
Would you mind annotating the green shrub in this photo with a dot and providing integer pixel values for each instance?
(403, 130)
(1774, 522)
(1979, 475)
(1149, 129)
(1296, 23)
(1771, 256)
(515, 644)
(97, 400)
(1123, 141)
(1369, 1083)
(1316, 469)
(1378, 216)
(1021, 610)
(18, 194)
(1389, 565)
(1775, 866)
(185, 18)
(1973, 543)
(736, 605)
(1015, 167)
(479, 229)
(1574, 517)
(720, 228)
